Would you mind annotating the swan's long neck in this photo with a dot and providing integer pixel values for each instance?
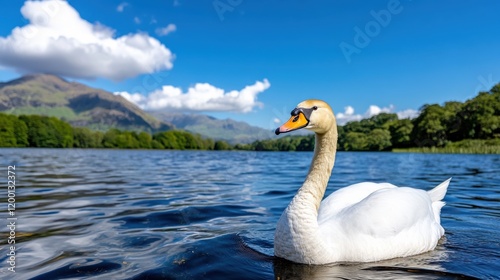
(313, 189)
(297, 236)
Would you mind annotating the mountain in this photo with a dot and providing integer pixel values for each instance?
(76, 103)
(229, 130)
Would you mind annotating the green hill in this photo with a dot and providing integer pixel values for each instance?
(76, 103)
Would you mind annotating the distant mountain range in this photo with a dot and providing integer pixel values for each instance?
(81, 105)
(229, 130)
(75, 103)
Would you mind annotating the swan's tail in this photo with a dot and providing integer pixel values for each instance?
(437, 194)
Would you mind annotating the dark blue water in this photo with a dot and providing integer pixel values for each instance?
(119, 214)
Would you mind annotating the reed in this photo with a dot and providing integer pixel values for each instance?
(469, 146)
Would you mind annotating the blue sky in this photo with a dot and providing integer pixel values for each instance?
(255, 60)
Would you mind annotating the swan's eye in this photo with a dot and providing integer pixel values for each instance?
(315, 108)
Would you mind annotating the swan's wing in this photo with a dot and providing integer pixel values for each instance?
(388, 212)
(379, 221)
(346, 197)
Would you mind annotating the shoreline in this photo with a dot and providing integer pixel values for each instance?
(492, 150)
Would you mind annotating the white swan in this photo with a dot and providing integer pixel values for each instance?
(363, 222)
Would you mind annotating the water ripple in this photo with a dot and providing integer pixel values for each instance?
(113, 214)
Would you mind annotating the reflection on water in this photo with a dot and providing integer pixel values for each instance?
(118, 214)
(424, 266)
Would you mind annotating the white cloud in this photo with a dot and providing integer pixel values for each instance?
(349, 110)
(348, 115)
(200, 97)
(408, 114)
(164, 31)
(58, 41)
(276, 120)
(137, 20)
(122, 6)
(374, 110)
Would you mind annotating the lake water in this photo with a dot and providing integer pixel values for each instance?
(131, 214)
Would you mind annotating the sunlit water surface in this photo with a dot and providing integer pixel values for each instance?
(121, 214)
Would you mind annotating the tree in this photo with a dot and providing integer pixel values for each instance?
(481, 115)
(145, 140)
(452, 120)
(429, 128)
(221, 145)
(190, 141)
(127, 140)
(109, 139)
(381, 120)
(266, 145)
(209, 144)
(48, 132)
(379, 139)
(157, 145)
(341, 138)
(7, 131)
(356, 141)
(401, 133)
(306, 143)
(62, 131)
(167, 139)
(21, 133)
(363, 126)
(83, 138)
(180, 140)
(243, 147)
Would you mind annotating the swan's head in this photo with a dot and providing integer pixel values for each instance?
(312, 114)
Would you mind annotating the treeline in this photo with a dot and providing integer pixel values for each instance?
(288, 143)
(50, 132)
(454, 124)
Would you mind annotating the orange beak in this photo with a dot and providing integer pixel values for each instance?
(295, 122)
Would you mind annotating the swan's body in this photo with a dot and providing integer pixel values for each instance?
(359, 223)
